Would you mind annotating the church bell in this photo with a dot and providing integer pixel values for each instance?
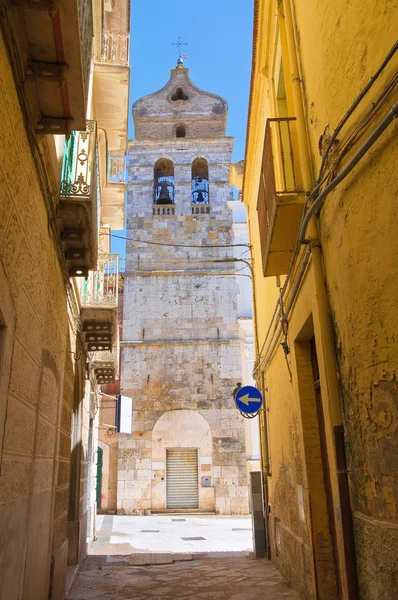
(164, 196)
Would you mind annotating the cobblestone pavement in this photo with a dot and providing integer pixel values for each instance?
(240, 578)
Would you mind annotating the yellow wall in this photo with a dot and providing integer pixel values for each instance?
(340, 46)
(358, 233)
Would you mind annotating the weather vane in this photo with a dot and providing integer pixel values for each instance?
(180, 43)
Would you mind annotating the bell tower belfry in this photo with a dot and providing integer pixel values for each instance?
(181, 347)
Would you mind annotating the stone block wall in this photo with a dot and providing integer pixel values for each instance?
(181, 355)
(164, 379)
(38, 365)
(157, 115)
(33, 322)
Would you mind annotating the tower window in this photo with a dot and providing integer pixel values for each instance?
(200, 181)
(164, 182)
(180, 131)
(179, 94)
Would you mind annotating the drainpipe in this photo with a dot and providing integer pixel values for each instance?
(265, 465)
(305, 166)
(262, 419)
(323, 305)
(286, 23)
(346, 562)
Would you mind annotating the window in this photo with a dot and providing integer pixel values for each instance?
(164, 182)
(179, 94)
(180, 131)
(200, 181)
(69, 157)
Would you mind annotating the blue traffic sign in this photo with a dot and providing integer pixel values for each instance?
(248, 399)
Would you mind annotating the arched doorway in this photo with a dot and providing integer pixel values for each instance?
(182, 469)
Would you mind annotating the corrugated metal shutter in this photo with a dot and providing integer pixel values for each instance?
(182, 478)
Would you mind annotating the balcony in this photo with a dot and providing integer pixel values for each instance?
(53, 50)
(105, 365)
(114, 191)
(281, 198)
(163, 210)
(117, 169)
(99, 301)
(110, 96)
(115, 48)
(200, 209)
(79, 201)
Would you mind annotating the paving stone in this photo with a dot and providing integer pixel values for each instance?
(147, 531)
(240, 578)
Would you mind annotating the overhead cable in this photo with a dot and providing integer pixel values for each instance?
(122, 237)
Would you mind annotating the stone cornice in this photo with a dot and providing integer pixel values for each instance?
(196, 342)
(212, 273)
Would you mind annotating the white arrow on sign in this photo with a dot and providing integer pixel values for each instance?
(246, 399)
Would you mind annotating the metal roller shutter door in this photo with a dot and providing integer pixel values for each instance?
(182, 478)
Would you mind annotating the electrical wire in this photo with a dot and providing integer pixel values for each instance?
(151, 243)
(182, 261)
(353, 106)
(377, 105)
(326, 178)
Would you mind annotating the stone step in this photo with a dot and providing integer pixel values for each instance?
(157, 558)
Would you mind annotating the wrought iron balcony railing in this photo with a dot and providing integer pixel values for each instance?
(80, 164)
(80, 198)
(117, 169)
(279, 202)
(101, 287)
(115, 48)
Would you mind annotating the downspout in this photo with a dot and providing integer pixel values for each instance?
(323, 305)
(262, 418)
(265, 464)
(346, 559)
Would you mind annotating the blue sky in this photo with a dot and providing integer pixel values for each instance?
(219, 37)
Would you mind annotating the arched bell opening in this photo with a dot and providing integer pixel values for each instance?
(164, 182)
(200, 181)
(179, 94)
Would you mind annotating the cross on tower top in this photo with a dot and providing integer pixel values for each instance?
(180, 43)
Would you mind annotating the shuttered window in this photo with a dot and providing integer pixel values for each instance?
(182, 478)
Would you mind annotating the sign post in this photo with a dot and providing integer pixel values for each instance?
(248, 401)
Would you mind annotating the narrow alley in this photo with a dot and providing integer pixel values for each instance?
(198, 300)
(174, 557)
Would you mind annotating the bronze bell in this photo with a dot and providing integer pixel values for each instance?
(164, 196)
(200, 199)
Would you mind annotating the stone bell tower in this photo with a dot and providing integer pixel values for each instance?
(180, 348)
